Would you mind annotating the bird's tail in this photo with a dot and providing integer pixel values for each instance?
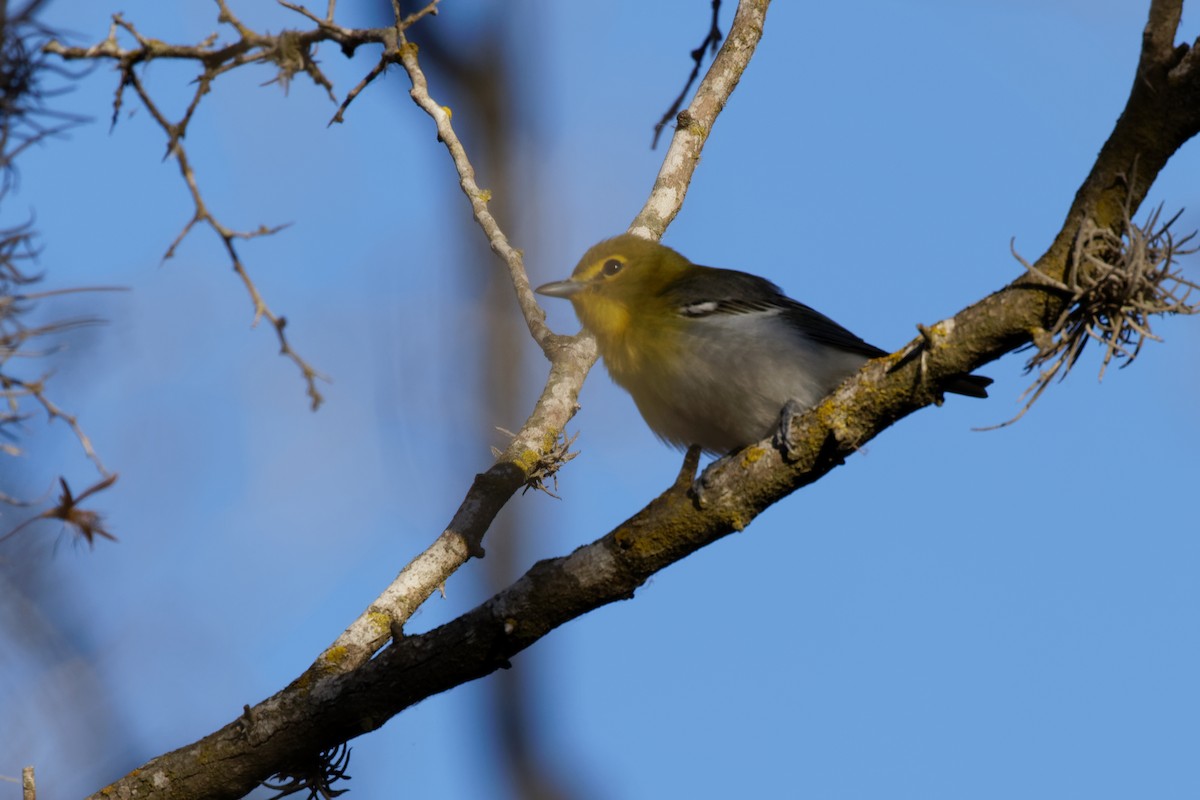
(969, 385)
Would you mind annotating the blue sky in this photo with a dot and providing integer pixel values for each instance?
(951, 614)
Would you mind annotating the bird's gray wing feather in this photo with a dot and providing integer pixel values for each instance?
(709, 291)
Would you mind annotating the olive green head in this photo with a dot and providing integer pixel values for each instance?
(617, 280)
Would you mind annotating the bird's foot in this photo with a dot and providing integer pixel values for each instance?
(782, 438)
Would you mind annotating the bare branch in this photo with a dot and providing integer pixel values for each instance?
(15, 338)
(535, 318)
(695, 122)
(25, 120)
(87, 524)
(1158, 40)
(377, 70)
(37, 390)
(711, 40)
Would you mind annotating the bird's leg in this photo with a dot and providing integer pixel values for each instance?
(783, 432)
(687, 470)
(698, 488)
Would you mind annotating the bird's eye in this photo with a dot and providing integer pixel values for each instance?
(611, 267)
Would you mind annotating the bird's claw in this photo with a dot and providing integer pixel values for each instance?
(782, 439)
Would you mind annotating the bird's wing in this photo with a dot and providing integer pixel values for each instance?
(709, 291)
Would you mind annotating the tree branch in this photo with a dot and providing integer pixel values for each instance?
(695, 122)
(535, 317)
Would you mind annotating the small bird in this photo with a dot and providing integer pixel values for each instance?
(711, 356)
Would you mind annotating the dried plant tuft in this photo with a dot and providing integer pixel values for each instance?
(1115, 283)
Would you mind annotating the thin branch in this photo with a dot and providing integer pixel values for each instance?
(299, 9)
(202, 215)
(535, 317)
(37, 390)
(377, 70)
(1158, 39)
(711, 40)
(696, 121)
(87, 524)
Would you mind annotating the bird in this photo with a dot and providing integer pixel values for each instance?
(712, 357)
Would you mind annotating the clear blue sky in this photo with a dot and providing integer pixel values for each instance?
(952, 614)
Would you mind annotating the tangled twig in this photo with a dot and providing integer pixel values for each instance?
(86, 523)
(547, 465)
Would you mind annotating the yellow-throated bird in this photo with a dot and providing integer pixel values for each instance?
(711, 356)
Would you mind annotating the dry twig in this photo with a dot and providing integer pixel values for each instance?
(25, 119)
(712, 40)
(86, 523)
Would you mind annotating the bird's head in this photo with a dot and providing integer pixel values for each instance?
(620, 280)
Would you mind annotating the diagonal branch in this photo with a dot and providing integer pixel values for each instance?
(695, 122)
(1158, 39)
(535, 317)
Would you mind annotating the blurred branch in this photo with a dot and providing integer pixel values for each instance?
(87, 524)
(25, 120)
(28, 785)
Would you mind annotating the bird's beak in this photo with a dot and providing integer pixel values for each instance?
(565, 288)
